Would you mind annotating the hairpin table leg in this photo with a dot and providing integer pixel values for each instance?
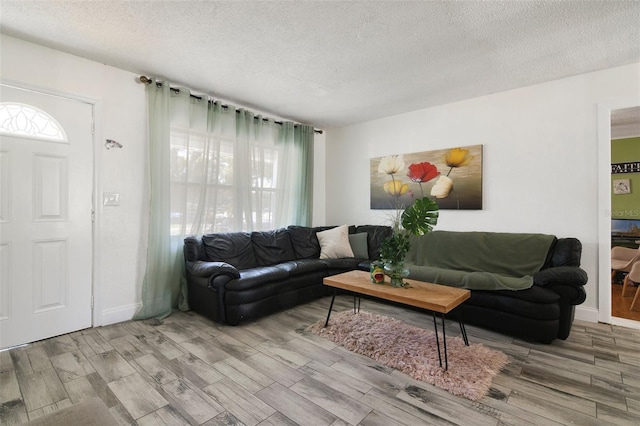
(435, 326)
(463, 330)
(444, 341)
(331, 306)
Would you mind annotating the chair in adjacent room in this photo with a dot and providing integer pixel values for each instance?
(633, 277)
(622, 259)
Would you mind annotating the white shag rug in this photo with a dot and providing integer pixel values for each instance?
(413, 351)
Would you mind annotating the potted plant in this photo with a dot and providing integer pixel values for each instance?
(417, 219)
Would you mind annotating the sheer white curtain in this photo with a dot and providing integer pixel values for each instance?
(160, 286)
(216, 169)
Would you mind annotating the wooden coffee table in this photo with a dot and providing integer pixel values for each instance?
(433, 297)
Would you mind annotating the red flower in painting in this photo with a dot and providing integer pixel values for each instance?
(422, 172)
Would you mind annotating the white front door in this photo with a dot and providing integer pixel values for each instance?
(46, 188)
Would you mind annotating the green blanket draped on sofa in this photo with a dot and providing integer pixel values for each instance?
(478, 260)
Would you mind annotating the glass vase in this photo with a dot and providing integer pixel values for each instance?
(396, 273)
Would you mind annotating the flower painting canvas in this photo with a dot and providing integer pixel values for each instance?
(452, 177)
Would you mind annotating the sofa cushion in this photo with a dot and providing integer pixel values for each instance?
(259, 276)
(302, 266)
(272, 247)
(271, 291)
(304, 241)
(343, 264)
(359, 245)
(234, 248)
(334, 243)
(535, 302)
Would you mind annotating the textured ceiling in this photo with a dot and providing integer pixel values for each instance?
(336, 63)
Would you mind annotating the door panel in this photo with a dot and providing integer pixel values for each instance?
(51, 198)
(46, 188)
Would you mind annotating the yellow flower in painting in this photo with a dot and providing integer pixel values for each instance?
(391, 164)
(396, 188)
(457, 157)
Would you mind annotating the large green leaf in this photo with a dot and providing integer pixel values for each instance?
(421, 217)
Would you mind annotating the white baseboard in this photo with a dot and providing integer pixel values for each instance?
(586, 314)
(119, 314)
(625, 323)
(591, 315)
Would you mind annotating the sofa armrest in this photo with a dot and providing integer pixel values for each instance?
(567, 281)
(564, 275)
(206, 283)
(211, 270)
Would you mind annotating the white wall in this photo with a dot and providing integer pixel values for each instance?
(540, 159)
(119, 232)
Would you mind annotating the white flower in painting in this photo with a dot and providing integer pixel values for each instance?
(442, 188)
(391, 164)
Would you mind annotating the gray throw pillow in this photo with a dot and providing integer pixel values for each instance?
(359, 245)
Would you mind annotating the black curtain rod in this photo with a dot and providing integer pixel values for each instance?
(146, 80)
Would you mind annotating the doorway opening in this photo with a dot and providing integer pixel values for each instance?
(607, 110)
(625, 209)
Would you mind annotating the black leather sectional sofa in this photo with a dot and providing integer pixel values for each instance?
(239, 276)
(554, 281)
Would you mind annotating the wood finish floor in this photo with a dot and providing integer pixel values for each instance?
(189, 370)
(621, 306)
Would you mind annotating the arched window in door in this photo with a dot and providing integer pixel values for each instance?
(25, 120)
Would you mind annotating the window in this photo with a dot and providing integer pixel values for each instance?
(25, 120)
(205, 183)
(200, 175)
(264, 185)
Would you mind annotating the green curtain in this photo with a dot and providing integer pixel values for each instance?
(161, 283)
(295, 205)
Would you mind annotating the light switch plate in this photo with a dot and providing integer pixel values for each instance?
(110, 198)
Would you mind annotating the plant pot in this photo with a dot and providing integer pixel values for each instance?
(376, 272)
